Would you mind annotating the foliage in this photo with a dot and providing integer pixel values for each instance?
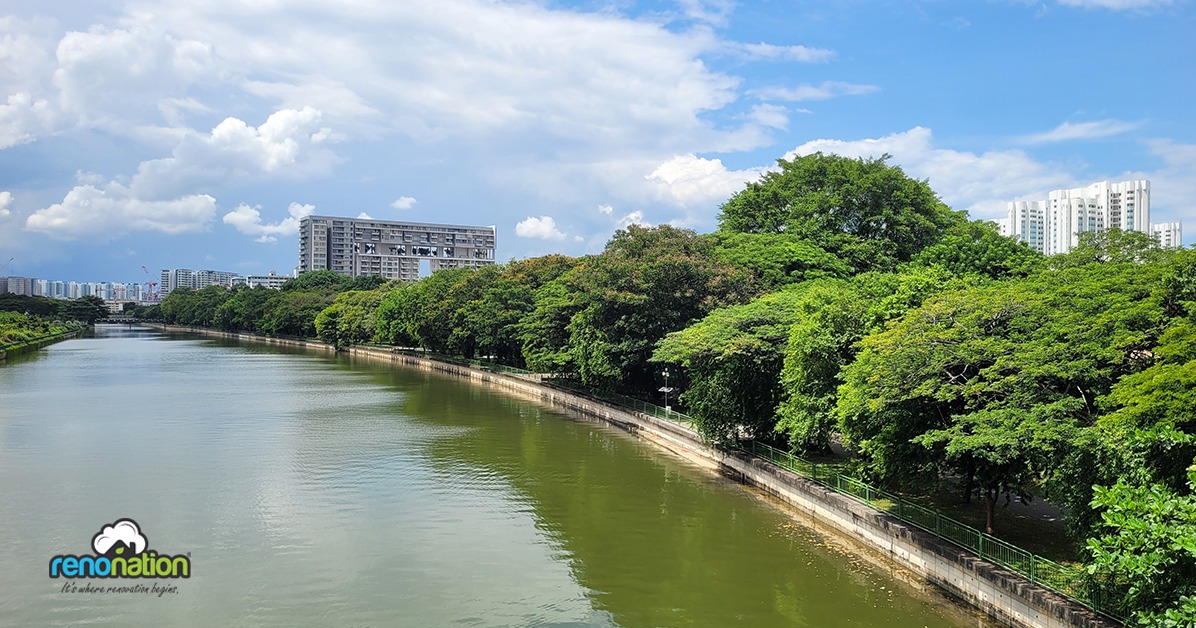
(831, 318)
(243, 310)
(494, 319)
(645, 284)
(318, 281)
(1147, 547)
(869, 214)
(84, 309)
(993, 382)
(293, 313)
(18, 327)
(733, 358)
(1112, 246)
(778, 259)
(976, 248)
(350, 319)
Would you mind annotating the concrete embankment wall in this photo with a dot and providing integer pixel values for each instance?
(1003, 595)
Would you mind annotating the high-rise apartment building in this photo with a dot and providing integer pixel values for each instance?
(1054, 225)
(363, 246)
(194, 279)
(1168, 234)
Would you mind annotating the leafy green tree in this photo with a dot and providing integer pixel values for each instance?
(319, 281)
(293, 313)
(1112, 246)
(85, 309)
(831, 318)
(493, 320)
(992, 383)
(1146, 546)
(867, 213)
(645, 284)
(778, 259)
(544, 331)
(976, 248)
(350, 320)
(243, 310)
(423, 313)
(733, 359)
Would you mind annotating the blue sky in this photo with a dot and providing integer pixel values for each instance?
(188, 133)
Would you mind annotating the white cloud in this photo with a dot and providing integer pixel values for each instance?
(1082, 131)
(109, 212)
(5, 202)
(364, 216)
(634, 218)
(248, 220)
(771, 116)
(27, 108)
(543, 227)
(692, 181)
(980, 183)
(1173, 186)
(289, 145)
(771, 52)
(824, 91)
(713, 12)
(606, 209)
(404, 202)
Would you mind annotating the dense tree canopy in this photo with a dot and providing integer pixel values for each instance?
(866, 212)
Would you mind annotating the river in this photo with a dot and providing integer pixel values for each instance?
(306, 490)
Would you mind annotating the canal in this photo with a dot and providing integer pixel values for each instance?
(309, 491)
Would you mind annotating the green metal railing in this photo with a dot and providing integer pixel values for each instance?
(1072, 582)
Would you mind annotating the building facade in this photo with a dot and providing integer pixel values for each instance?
(194, 279)
(358, 247)
(1054, 225)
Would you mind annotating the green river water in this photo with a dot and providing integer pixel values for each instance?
(311, 491)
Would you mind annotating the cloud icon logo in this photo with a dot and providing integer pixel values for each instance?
(123, 531)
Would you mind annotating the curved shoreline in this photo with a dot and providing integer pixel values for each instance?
(1001, 594)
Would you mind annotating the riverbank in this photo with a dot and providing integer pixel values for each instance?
(36, 343)
(1000, 593)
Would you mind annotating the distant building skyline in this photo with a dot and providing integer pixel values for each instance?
(1053, 225)
(356, 247)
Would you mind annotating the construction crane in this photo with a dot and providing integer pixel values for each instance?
(152, 297)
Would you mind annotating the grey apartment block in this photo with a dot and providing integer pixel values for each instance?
(363, 246)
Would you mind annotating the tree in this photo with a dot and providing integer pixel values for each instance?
(645, 284)
(976, 248)
(1111, 246)
(494, 318)
(350, 320)
(830, 319)
(318, 280)
(1146, 546)
(293, 313)
(85, 309)
(994, 382)
(733, 359)
(869, 214)
(778, 259)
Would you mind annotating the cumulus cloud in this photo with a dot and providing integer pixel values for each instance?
(543, 228)
(113, 210)
(123, 530)
(1082, 131)
(248, 220)
(824, 91)
(606, 209)
(364, 216)
(404, 202)
(634, 218)
(981, 183)
(689, 180)
(5, 202)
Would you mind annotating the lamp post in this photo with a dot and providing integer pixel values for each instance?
(666, 390)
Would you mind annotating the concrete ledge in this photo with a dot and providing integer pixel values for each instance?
(1003, 595)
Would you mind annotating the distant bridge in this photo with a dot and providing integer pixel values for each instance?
(116, 318)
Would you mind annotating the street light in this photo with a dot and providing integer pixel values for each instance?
(666, 390)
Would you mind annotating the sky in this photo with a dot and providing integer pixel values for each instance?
(196, 134)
